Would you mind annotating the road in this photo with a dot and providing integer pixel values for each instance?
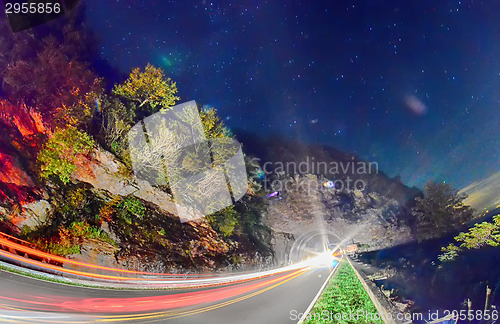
(257, 297)
(271, 306)
(262, 300)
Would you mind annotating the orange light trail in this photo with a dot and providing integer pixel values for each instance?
(160, 282)
(74, 272)
(41, 254)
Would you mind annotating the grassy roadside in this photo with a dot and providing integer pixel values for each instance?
(344, 300)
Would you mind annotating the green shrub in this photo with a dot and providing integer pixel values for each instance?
(62, 249)
(59, 155)
(224, 221)
(130, 207)
(84, 230)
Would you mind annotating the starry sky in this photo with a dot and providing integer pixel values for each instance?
(412, 85)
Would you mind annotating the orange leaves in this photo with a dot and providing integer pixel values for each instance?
(16, 117)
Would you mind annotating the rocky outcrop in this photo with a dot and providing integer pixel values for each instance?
(281, 245)
(104, 172)
(317, 190)
(368, 218)
(26, 202)
(95, 252)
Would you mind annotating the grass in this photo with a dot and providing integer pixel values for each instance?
(344, 301)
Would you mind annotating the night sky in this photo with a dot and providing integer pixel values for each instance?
(412, 85)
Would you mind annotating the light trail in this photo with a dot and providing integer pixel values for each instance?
(154, 282)
(146, 276)
(52, 257)
(151, 280)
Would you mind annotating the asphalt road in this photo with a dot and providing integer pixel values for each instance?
(266, 300)
(273, 306)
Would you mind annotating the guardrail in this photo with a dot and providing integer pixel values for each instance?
(26, 249)
(385, 315)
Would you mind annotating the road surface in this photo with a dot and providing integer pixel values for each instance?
(262, 300)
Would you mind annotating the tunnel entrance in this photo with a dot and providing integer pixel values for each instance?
(313, 243)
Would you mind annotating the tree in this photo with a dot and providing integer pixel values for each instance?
(116, 120)
(171, 147)
(440, 211)
(59, 155)
(150, 90)
(480, 235)
(63, 90)
(15, 46)
(212, 124)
